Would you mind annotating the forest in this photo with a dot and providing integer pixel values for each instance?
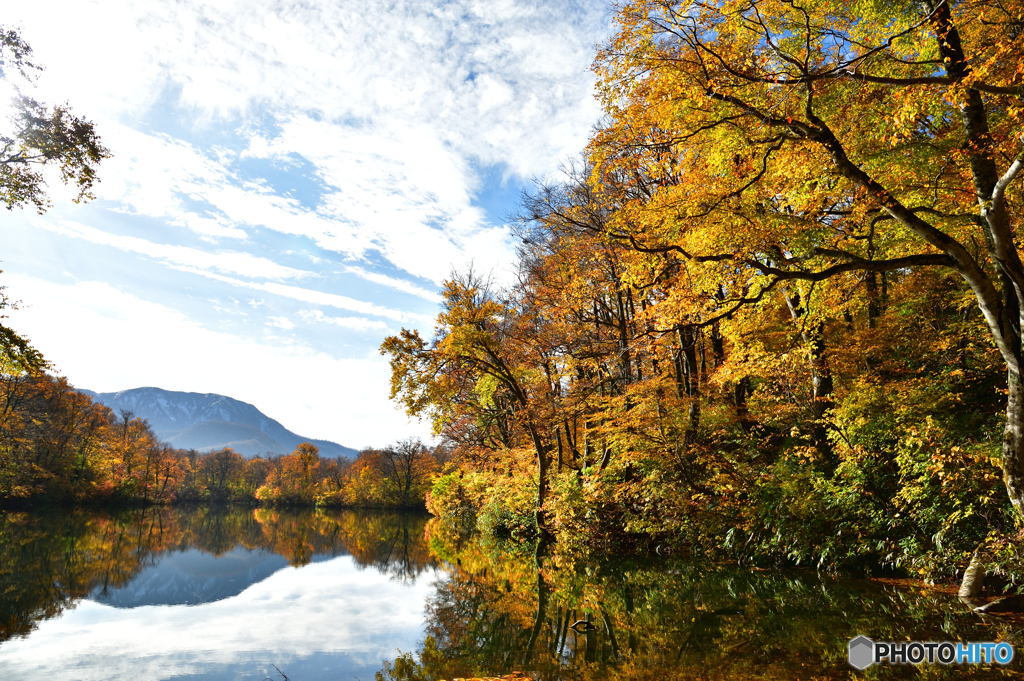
(772, 313)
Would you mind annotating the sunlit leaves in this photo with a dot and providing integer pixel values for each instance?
(40, 137)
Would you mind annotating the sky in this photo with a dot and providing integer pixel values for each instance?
(291, 182)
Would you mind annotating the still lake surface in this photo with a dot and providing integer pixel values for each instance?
(232, 593)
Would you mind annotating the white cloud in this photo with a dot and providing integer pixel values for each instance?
(398, 284)
(203, 263)
(213, 228)
(399, 190)
(357, 323)
(234, 262)
(306, 295)
(395, 105)
(153, 175)
(281, 323)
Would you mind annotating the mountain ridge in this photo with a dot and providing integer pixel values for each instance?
(209, 421)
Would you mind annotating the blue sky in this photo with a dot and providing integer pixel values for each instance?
(291, 182)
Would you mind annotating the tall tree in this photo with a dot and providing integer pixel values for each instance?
(763, 142)
(479, 371)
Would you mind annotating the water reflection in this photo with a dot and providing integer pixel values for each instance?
(501, 610)
(191, 577)
(209, 593)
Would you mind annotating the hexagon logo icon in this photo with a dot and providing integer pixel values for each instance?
(862, 652)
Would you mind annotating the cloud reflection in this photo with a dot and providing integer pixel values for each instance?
(328, 619)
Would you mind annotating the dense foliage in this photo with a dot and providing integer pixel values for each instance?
(773, 314)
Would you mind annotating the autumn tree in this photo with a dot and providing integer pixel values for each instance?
(256, 471)
(594, 306)
(158, 474)
(53, 439)
(130, 452)
(336, 471)
(771, 146)
(293, 480)
(407, 465)
(302, 464)
(221, 471)
(477, 374)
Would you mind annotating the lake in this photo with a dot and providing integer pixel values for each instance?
(238, 593)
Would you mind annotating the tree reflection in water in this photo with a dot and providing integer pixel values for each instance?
(500, 609)
(555, 616)
(50, 561)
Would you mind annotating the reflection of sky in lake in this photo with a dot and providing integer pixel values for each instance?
(326, 620)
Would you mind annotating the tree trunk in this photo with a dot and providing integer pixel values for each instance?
(717, 346)
(974, 577)
(688, 340)
(542, 599)
(874, 299)
(625, 362)
(542, 480)
(821, 384)
(558, 440)
(740, 392)
(1013, 442)
(586, 445)
(821, 379)
(677, 363)
(569, 441)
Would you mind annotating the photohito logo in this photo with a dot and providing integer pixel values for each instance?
(863, 652)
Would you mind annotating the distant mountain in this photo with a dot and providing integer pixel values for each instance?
(191, 577)
(210, 421)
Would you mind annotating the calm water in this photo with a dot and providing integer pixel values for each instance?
(209, 594)
(228, 593)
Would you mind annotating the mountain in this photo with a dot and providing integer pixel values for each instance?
(210, 421)
(191, 577)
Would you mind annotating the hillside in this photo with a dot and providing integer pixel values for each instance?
(207, 421)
